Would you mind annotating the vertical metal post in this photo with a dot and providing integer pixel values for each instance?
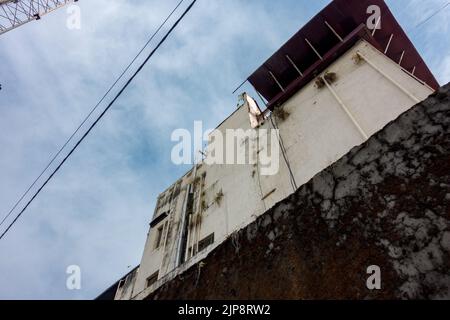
(334, 31)
(294, 65)
(314, 49)
(401, 58)
(376, 26)
(276, 81)
(389, 43)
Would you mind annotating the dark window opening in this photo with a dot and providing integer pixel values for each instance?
(203, 244)
(152, 279)
(160, 217)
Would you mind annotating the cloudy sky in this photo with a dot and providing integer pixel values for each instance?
(95, 212)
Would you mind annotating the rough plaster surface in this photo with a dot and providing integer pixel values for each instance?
(386, 203)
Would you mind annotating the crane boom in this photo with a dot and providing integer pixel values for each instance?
(14, 13)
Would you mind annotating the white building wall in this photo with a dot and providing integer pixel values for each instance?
(316, 133)
(319, 131)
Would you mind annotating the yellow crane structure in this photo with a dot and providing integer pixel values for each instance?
(15, 13)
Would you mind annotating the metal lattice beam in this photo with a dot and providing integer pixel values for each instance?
(14, 13)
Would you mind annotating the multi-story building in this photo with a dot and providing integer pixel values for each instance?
(337, 81)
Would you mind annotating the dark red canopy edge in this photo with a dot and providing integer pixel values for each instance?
(348, 18)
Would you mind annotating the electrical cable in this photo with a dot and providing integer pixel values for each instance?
(88, 116)
(432, 15)
(100, 117)
(281, 143)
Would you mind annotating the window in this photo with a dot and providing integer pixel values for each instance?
(152, 279)
(159, 236)
(203, 244)
(158, 218)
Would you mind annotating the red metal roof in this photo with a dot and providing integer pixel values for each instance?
(348, 19)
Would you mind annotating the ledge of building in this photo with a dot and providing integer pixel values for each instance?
(385, 203)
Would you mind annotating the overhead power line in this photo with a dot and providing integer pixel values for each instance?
(415, 29)
(432, 15)
(100, 116)
(89, 114)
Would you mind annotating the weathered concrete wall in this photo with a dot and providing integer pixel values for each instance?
(385, 203)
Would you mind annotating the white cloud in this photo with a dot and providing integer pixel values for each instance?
(95, 212)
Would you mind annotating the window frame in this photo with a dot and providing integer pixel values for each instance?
(152, 279)
(205, 242)
(159, 236)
